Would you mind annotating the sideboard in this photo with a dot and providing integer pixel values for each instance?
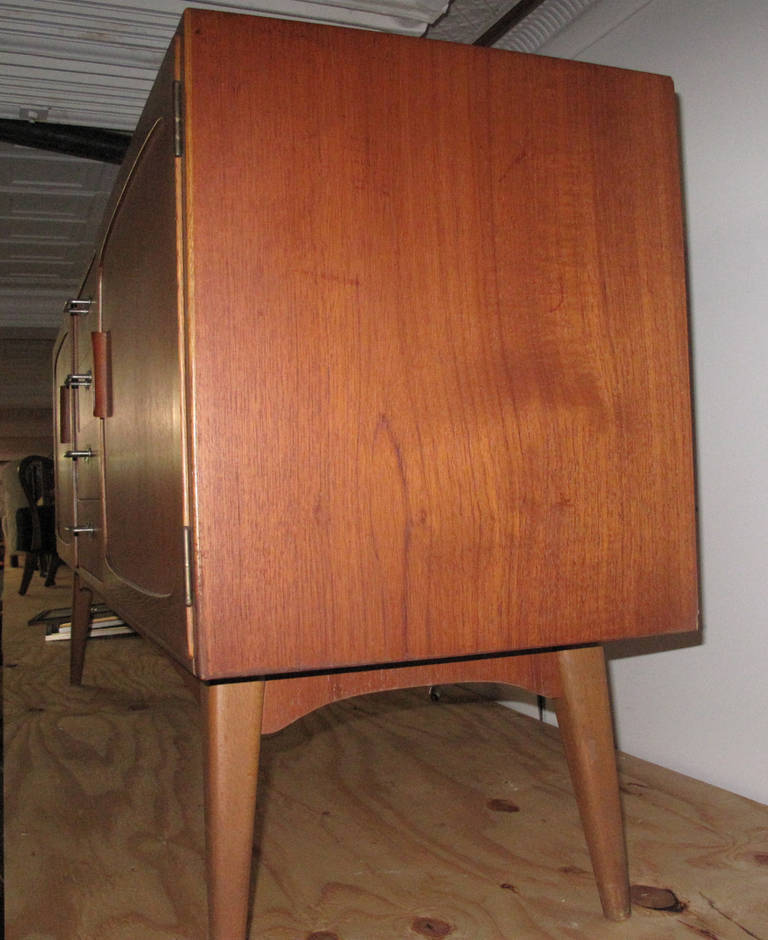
(379, 378)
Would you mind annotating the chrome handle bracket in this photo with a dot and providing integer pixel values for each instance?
(77, 307)
(86, 529)
(79, 380)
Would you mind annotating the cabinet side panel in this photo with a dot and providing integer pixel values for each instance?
(440, 351)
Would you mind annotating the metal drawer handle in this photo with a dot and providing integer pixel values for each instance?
(79, 380)
(86, 529)
(77, 454)
(76, 307)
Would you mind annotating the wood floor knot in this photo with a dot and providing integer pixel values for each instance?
(499, 805)
(431, 927)
(656, 899)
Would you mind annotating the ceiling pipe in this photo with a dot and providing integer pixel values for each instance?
(506, 22)
(93, 143)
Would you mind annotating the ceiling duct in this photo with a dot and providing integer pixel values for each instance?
(524, 26)
(93, 143)
(507, 21)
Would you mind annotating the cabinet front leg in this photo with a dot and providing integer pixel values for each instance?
(586, 727)
(82, 598)
(232, 735)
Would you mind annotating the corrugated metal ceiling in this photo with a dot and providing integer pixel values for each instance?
(92, 62)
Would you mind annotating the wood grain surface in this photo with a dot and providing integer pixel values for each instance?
(438, 349)
(291, 698)
(388, 817)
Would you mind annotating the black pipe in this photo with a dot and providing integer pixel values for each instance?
(504, 23)
(93, 143)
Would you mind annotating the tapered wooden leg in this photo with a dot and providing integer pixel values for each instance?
(232, 714)
(586, 726)
(82, 598)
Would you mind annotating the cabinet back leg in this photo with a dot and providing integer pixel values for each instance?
(232, 713)
(586, 727)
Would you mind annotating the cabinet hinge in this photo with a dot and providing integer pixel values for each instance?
(187, 566)
(178, 121)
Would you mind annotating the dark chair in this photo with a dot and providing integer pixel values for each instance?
(36, 523)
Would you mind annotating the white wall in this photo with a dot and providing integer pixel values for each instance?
(703, 710)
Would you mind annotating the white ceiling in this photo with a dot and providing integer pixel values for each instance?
(92, 63)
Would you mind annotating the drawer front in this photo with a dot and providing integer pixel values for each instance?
(63, 441)
(87, 426)
(90, 544)
(88, 469)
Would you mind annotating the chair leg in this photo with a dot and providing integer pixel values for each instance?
(82, 598)
(53, 566)
(232, 713)
(30, 565)
(586, 727)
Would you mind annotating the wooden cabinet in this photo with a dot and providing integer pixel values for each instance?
(392, 366)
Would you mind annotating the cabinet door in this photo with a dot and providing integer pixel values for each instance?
(87, 425)
(144, 503)
(63, 440)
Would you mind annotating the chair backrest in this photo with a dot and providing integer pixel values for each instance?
(36, 477)
(13, 499)
(37, 481)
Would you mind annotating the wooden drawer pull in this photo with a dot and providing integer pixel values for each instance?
(102, 374)
(65, 415)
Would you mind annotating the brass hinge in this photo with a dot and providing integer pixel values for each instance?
(187, 566)
(178, 121)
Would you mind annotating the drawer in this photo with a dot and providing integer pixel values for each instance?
(90, 545)
(88, 469)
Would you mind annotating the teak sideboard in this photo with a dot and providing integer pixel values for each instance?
(379, 378)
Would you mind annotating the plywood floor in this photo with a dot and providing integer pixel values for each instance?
(385, 818)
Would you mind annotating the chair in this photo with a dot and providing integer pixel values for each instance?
(36, 523)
